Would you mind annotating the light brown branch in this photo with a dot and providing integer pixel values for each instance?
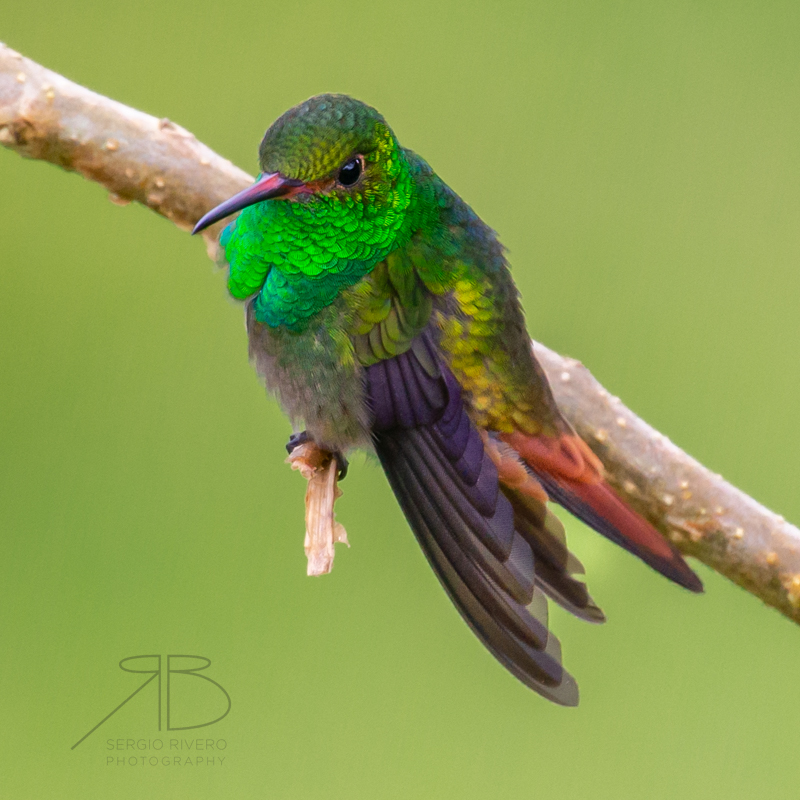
(156, 163)
(135, 156)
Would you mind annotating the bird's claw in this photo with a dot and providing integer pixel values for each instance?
(342, 464)
(296, 439)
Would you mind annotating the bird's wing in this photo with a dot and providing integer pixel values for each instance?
(493, 546)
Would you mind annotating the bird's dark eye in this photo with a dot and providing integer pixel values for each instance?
(350, 172)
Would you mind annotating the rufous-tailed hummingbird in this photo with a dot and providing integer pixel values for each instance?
(382, 313)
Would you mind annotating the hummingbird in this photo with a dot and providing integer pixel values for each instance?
(381, 311)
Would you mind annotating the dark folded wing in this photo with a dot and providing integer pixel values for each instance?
(494, 553)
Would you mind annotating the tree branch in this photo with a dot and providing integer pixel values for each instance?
(152, 161)
(135, 156)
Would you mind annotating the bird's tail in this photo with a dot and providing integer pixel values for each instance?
(572, 476)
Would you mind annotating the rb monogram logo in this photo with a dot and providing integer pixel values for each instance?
(156, 672)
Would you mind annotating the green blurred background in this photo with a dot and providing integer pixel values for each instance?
(641, 163)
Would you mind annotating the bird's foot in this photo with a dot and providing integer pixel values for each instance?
(296, 439)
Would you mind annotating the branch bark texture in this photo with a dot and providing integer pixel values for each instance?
(152, 161)
(135, 156)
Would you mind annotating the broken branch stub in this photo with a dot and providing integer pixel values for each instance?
(321, 470)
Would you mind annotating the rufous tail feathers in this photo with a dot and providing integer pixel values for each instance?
(573, 476)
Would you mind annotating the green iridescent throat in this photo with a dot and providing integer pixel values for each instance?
(298, 255)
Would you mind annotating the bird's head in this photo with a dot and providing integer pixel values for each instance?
(332, 144)
(335, 196)
(329, 165)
